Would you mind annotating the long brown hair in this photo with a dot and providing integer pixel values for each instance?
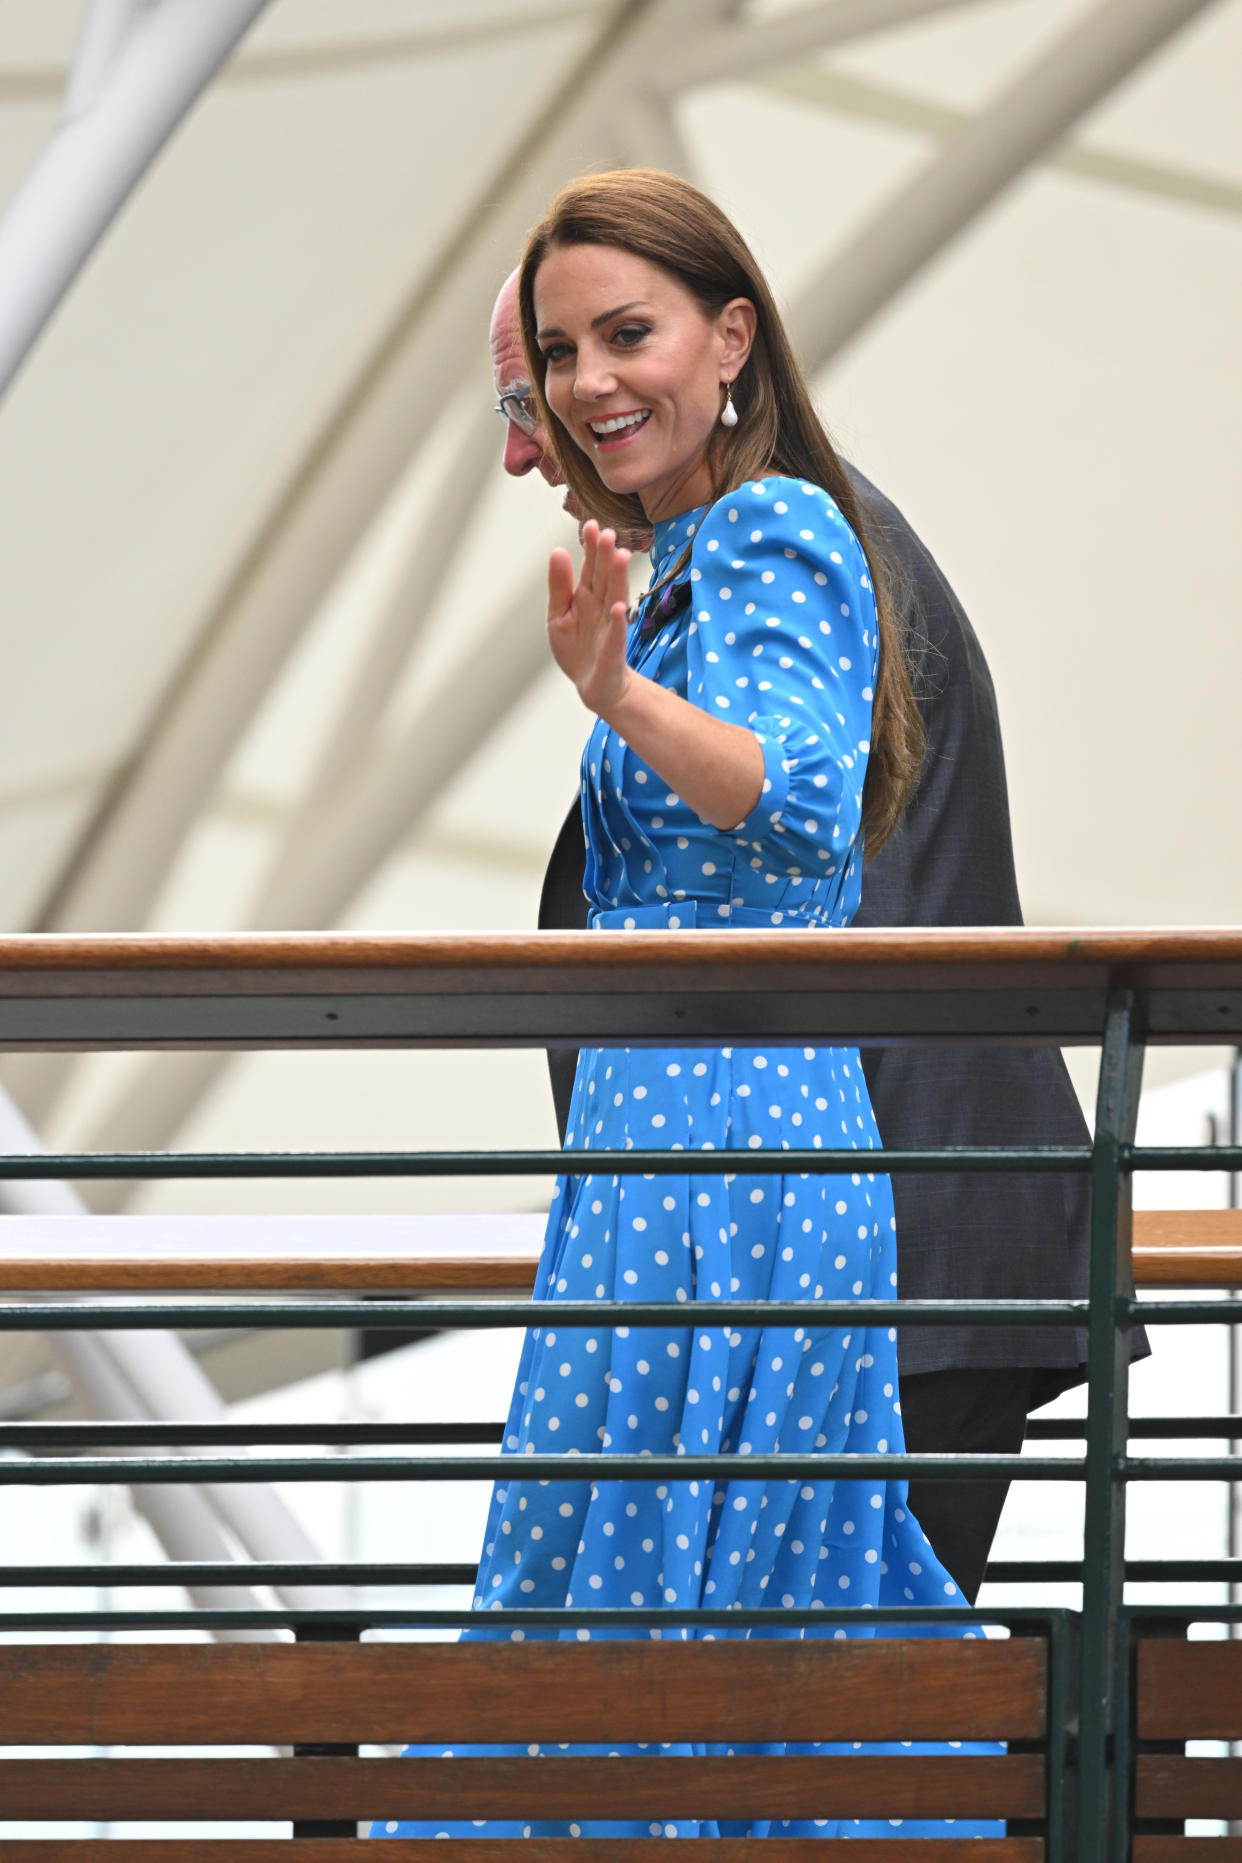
(669, 223)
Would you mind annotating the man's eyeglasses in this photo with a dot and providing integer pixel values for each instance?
(519, 407)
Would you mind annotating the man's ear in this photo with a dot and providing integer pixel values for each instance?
(737, 324)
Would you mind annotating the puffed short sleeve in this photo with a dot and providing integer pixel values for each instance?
(783, 640)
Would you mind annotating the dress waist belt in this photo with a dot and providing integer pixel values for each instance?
(697, 914)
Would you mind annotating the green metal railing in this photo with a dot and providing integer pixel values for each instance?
(655, 989)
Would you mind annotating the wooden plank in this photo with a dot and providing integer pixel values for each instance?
(396, 1254)
(539, 1850)
(1188, 1248)
(1189, 1690)
(334, 989)
(1188, 1229)
(384, 1693)
(273, 1252)
(1179, 1850)
(1167, 1786)
(268, 1274)
(860, 1786)
(1188, 1267)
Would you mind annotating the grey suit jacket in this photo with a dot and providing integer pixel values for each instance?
(950, 863)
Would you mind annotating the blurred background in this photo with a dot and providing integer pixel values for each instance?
(272, 617)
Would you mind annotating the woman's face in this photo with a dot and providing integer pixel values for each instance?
(635, 370)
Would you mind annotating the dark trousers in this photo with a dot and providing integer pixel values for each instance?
(947, 1412)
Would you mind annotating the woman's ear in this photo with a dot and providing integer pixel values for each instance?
(737, 323)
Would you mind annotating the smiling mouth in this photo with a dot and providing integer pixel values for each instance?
(618, 428)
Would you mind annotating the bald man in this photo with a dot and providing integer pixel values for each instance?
(963, 1389)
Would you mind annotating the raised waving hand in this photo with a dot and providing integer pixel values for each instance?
(587, 618)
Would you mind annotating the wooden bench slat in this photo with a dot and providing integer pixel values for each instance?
(1188, 1248)
(1167, 1786)
(544, 1850)
(1176, 1850)
(642, 1786)
(341, 1274)
(131, 1255)
(1189, 1690)
(380, 1693)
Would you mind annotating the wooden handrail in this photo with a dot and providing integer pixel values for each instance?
(281, 990)
(1188, 1248)
(1148, 949)
(144, 1254)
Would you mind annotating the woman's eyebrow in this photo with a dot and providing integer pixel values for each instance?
(541, 336)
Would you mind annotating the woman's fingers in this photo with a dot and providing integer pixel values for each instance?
(590, 551)
(610, 582)
(560, 583)
(595, 567)
(618, 589)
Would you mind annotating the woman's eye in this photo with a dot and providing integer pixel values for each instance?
(554, 353)
(630, 333)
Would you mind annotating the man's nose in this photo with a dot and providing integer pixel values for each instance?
(522, 450)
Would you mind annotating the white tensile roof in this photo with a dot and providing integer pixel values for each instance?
(271, 623)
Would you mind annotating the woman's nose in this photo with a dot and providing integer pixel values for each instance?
(594, 376)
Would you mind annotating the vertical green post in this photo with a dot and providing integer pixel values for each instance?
(1108, 1371)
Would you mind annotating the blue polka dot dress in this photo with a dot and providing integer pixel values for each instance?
(772, 626)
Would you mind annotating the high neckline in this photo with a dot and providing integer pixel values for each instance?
(671, 537)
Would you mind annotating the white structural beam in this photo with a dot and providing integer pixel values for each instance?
(310, 532)
(841, 93)
(137, 73)
(401, 600)
(646, 131)
(737, 51)
(362, 823)
(375, 811)
(106, 26)
(145, 1377)
(1028, 119)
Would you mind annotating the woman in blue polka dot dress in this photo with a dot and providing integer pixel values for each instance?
(753, 721)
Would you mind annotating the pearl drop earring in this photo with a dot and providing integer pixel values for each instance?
(728, 413)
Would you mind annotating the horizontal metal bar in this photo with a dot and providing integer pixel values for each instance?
(41, 1437)
(140, 1471)
(1071, 1429)
(1184, 1613)
(34, 1438)
(409, 1617)
(1137, 1571)
(1180, 1312)
(82, 1316)
(662, 1163)
(361, 1574)
(686, 1011)
(228, 1572)
(258, 1164)
(1183, 1157)
(1179, 1468)
(1192, 1571)
(1033, 1571)
(187, 1574)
